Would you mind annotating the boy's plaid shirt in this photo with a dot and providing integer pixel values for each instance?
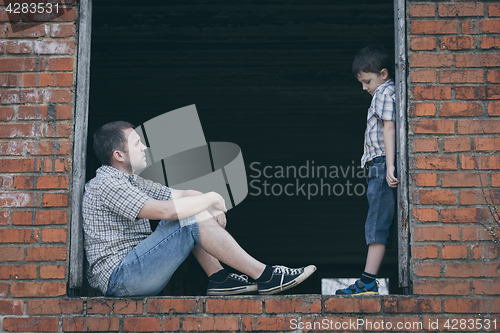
(382, 108)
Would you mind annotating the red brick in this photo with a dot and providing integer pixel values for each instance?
(55, 165)
(487, 143)
(18, 165)
(493, 109)
(436, 197)
(233, 306)
(62, 30)
(468, 270)
(69, 15)
(425, 144)
(46, 253)
(409, 305)
(431, 60)
(61, 64)
(99, 324)
(7, 182)
(486, 287)
(484, 252)
(12, 253)
(41, 324)
(17, 272)
(4, 289)
(7, 80)
(17, 130)
(494, 10)
(423, 10)
(438, 287)
(46, 80)
(477, 60)
(424, 252)
(457, 144)
(12, 148)
(11, 65)
(59, 96)
(52, 271)
(490, 42)
(476, 233)
(28, 31)
(481, 92)
(11, 307)
(460, 109)
(433, 126)
(19, 47)
(431, 92)
(293, 305)
(445, 233)
(495, 179)
(462, 9)
(63, 79)
(463, 215)
(461, 76)
(64, 112)
(54, 47)
(481, 162)
(481, 27)
(479, 197)
(54, 306)
(493, 76)
(463, 179)
(424, 76)
(433, 27)
(352, 305)
(30, 112)
(45, 217)
(23, 182)
(51, 235)
(489, 126)
(423, 43)
(38, 289)
(457, 43)
(4, 217)
(119, 306)
(18, 236)
(52, 182)
(47, 147)
(478, 305)
(16, 199)
(6, 113)
(425, 179)
(426, 214)
(436, 162)
(429, 269)
(454, 252)
(63, 131)
(276, 323)
(423, 109)
(55, 200)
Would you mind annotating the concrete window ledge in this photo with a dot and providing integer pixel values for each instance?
(248, 313)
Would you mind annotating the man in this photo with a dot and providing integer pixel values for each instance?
(127, 259)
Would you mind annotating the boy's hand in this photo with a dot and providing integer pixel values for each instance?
(391, 180)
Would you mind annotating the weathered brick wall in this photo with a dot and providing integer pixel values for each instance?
(454, 143)
(454, 105)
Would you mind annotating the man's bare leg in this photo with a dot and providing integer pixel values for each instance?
(218, 245)
(374, 257)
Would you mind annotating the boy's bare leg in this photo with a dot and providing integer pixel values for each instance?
(374, 257)
(217, 244)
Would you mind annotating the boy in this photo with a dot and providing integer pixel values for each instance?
(371, 67)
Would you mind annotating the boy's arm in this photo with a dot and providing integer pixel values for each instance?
(390, 147)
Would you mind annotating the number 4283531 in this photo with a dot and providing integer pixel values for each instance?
(40, 8)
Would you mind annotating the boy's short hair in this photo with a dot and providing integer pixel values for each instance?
(372, 59)
(108, 138)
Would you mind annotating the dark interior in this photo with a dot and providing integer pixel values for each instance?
(270, 76)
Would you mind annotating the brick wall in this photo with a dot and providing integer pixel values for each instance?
(454, 110)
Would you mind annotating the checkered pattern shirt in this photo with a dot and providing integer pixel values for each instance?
(111, 227)
(382, 108)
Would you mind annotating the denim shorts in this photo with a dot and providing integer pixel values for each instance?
(148, 267)
(381, 201)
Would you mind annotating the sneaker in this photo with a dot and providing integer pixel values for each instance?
(234, 284)
(359, 288)
(284, 278)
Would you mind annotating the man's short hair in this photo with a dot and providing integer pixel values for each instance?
(110, 137)
(372, 59)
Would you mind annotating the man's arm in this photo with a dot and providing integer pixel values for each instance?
(218, 214)
(390, 147)
(181, 206)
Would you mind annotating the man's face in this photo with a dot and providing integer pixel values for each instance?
(370, 81)
(135, 156)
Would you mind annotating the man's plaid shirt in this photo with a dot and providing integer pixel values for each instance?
(111, 227)
(382, 108)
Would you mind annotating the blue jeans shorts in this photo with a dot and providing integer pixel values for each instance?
(381, 201)
(147, 268)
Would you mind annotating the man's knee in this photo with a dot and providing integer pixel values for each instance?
(205, 218)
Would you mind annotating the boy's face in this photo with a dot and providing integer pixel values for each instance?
(370, 80)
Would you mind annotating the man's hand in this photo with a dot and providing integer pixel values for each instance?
(220, 203)
(218, 215)
(391, 180)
